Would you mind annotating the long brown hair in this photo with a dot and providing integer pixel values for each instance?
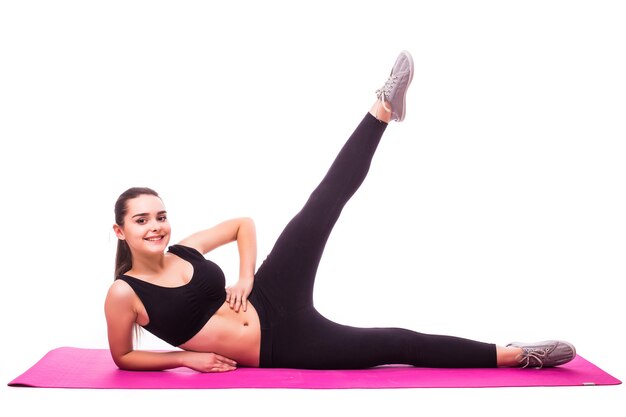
(123, 257)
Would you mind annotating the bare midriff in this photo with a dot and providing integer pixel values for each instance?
(236, 335)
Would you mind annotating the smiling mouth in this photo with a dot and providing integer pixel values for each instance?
(154, 239)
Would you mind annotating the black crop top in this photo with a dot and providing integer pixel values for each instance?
(176, 314)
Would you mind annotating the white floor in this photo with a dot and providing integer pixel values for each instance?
(494, 212)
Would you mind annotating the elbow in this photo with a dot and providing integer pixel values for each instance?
(246, 224)
(247, 221)
(122, 361)
(122, 366)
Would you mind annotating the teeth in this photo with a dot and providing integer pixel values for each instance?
(154, 239)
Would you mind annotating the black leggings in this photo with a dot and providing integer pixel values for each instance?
(293, 333)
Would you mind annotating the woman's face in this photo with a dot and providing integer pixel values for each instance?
(146, 229)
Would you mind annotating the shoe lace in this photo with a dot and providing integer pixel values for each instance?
(529, 355)
(384, 92)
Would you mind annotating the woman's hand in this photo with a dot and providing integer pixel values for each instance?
(237, 295)
(208, 362)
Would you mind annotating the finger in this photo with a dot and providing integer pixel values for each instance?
(224, 369)
(235, 300)
(219, 367)
(224, 359)
(244, 303)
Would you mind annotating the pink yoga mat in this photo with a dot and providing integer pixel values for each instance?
(69, 367)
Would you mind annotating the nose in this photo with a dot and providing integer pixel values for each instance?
(155, 226)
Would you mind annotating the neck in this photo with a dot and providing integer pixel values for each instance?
(147, 265)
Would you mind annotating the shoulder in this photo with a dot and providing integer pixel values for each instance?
(120, 302)
(120, 293)
(120, 310)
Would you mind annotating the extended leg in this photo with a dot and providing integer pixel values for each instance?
(309, 340)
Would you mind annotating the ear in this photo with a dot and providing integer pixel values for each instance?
(118, 232)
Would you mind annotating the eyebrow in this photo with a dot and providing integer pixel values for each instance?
(147, 214)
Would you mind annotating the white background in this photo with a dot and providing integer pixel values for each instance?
(494, 212)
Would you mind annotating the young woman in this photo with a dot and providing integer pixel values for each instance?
(267, 319)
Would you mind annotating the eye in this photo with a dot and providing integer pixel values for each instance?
(162, 218)
(140, 220)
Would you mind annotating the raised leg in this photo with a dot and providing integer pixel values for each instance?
(289, 271)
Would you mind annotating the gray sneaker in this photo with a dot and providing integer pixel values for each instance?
(394, 91)
(548, 353)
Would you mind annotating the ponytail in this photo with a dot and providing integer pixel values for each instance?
(123, 259)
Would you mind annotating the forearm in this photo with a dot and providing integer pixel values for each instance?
(246, 243)
(143, 360)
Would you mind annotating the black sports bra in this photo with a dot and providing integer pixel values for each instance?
(177, 313)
